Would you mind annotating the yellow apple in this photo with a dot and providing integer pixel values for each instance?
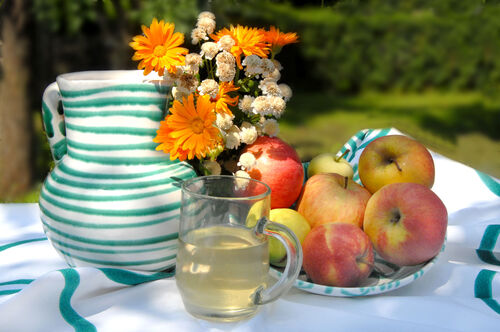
(330, 163)
(296, 223)
(394, 159)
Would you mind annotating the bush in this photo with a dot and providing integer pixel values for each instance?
(386, 45)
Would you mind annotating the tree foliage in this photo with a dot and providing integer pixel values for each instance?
(68, 17)
(354, 45)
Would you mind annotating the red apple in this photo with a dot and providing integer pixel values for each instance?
(406, 223)
(337, 254)
(395, 158)
(278, 165)
(330, 197)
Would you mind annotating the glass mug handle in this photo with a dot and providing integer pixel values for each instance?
(293, 263)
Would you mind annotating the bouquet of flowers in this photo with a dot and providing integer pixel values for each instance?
(223, 98)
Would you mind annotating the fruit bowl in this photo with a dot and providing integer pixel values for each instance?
(386, 277)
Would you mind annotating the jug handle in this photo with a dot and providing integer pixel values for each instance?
(53, 121)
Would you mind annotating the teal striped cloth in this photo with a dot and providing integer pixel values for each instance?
(39, 292)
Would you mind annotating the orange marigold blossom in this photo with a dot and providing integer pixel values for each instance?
(167, 143)
(247, 40)
(223, 100)
(278, 39)
(189, 131)
(159, 48)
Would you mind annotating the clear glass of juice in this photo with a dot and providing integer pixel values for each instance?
(222, 266)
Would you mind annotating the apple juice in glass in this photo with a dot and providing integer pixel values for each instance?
(223, 256)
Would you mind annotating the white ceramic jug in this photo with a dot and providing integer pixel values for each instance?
(111, 200)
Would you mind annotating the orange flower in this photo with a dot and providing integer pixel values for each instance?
(167, 143)
(247, 40)
(159, 48)
(189, 130)
(278, 39)
(223, 99)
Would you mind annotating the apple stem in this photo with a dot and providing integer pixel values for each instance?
(397, 165)
(396, 217)
(346, 181)
(342, 155)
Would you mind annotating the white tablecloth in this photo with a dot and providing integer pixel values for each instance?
(39, 292)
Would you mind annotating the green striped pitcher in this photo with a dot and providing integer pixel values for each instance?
(111, 199)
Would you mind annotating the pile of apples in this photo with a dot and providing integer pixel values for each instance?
(341, 224)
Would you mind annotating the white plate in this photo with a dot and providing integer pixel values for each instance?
(388, 278)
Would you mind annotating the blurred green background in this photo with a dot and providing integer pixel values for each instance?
(429, 68)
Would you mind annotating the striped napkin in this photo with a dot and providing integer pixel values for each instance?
(39, 292)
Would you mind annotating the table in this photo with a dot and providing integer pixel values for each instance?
(39, 292)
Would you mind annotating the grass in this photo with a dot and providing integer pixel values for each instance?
(461, 126)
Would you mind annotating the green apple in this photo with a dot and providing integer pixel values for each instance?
(330, 163)
(297, 224)
(259, 209)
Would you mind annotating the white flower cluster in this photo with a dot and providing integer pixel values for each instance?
(209, 87)
(184, 80)
(261, 108)
(226, 65)
(204, 27)
(270, 105)
(234, 136)
(274, 96)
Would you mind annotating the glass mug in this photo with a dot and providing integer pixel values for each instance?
(223, 257)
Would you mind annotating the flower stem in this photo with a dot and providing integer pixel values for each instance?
(211, 65)
(237, 75)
